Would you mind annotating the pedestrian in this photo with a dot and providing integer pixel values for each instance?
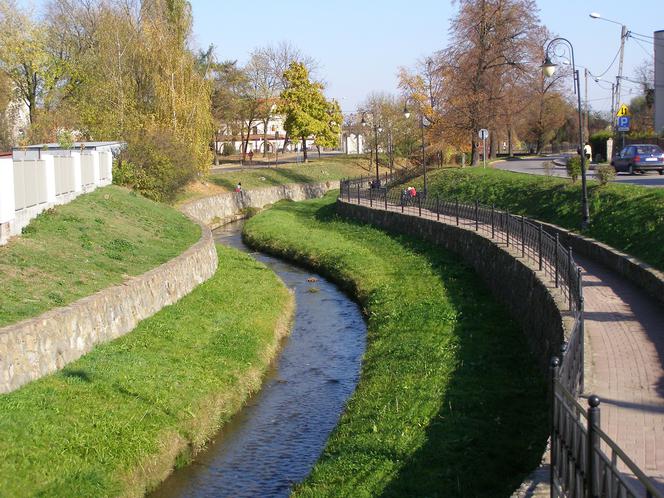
(238, 187)
(413, 192)
(588, 151)
(251, 156)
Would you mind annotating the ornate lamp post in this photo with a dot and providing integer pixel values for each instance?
(549, 68)
(376, 129)
(406, 114)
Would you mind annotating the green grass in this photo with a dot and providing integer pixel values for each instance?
(449, 401)
(117, 418)
(316, 170)
(627, 217)
(76, 249)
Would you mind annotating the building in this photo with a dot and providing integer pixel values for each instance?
(659, 81)
(259, 140)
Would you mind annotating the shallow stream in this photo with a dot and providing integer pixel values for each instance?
(277, 437)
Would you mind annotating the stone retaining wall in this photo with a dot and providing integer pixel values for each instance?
(511, 279)
(220, 209)
(38, 346)
(639, 273)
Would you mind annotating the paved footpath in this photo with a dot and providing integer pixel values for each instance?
(624, 364)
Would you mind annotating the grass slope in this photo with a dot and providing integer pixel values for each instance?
(316, 170)
(449, 402)
(117, 418)
(627, 217)
(76, 249)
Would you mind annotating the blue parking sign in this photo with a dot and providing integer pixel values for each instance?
(623, 123)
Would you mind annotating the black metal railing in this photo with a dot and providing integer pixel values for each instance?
(580, 467)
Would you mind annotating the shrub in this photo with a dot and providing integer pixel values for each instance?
(598, 143)
(574, 167)
(156, 164)
(228, 149)
(605, 173)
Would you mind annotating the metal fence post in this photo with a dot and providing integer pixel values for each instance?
(581, 305)
(437, 208)
(523, 236)
(570, 272)
(358, 194)
(493, 222)
(553, 377)
(370, 197)
(507, 227)
(386, 197)
(348, 190)
(457, 212)
(593, 447)
(556, 257)
(419, 204)
(477, 216)
(402, 199)
(539, 243)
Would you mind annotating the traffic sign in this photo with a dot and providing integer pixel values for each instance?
(623, 123)
(484, 133)
(623, 111)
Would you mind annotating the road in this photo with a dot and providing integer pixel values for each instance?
(536, 166)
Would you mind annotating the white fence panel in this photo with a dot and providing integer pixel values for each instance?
(7, 194)
(87, 170)
(19, 185)
(64, 174)
(105, 166)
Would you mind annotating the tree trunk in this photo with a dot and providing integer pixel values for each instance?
(304, 149)
(492, 145)
(265, 122)
(509, 142)
(216, 145)
(318, 147)
(475, 155)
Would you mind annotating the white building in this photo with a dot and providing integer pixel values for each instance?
(259, 140)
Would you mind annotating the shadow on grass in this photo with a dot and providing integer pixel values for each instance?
(272, 177)
(491, 428)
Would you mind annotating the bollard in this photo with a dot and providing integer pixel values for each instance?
(593, 447)
(539, 243)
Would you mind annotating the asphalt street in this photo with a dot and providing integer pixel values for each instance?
(536, 166)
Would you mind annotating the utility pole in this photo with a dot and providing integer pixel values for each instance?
(587, 127)
(623, 36)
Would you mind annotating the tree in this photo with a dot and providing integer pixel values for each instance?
(307, 111)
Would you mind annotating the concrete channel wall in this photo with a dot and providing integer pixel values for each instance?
(513, 282)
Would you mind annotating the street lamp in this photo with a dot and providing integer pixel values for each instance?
(377, 128)
(548, 67)
(406, 114)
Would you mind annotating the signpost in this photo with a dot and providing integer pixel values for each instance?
(484, 134)
(624, 121)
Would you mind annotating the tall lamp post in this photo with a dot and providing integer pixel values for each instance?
(376, 129)
(549, 68)
(406, 114)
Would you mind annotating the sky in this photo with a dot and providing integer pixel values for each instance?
(361, 44)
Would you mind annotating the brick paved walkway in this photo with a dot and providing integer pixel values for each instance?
(624, 364)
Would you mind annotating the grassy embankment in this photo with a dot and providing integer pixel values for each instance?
(449, 402)
(627, 217)
(316, 170)
(116, 420)
(96, 241)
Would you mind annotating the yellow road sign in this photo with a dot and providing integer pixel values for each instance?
(623, 111)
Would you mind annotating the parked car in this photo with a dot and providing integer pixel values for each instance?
(639, 157)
